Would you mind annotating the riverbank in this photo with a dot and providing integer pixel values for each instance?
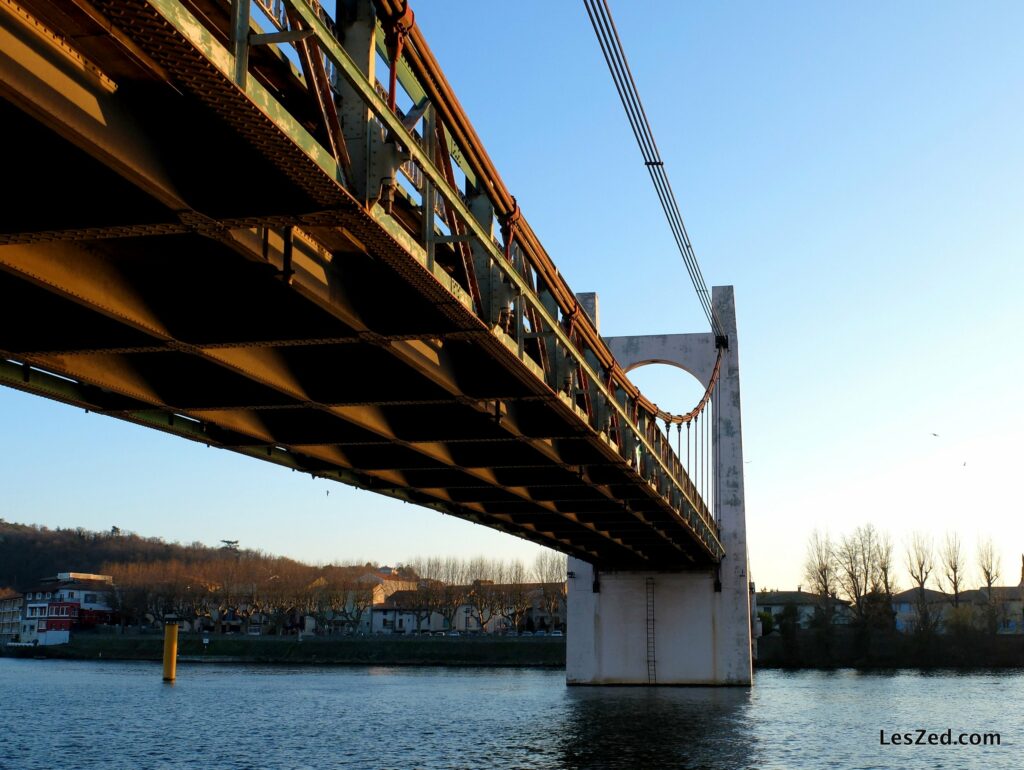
(803, 651)
(538, 652)
(848, 648)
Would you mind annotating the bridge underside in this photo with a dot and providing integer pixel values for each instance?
(160, 266)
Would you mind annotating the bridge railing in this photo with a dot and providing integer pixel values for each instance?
(416, 163)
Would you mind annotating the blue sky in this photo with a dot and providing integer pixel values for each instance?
(853, 169)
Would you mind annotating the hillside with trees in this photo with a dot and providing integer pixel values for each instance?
(29, 552)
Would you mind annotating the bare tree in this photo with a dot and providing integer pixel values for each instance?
(820, 571)
(357, 601)
(954, 566)
(883, 584)
(518, 595)
(857, 561)
(885, 570)
(451, 588)
(432, 590)
(485, 597)
(989, 567)
(920, 564)
(988, 564)
(549, 569)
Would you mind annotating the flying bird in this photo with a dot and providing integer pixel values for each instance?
(936, 435)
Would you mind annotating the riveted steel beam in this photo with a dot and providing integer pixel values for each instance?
(314, 268)
(202, 41)
(341, 60)
(72, 97)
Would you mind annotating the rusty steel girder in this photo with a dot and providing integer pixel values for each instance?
(235, 277)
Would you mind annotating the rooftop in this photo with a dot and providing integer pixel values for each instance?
(796, 598)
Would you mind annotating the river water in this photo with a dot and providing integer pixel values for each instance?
(81, 715)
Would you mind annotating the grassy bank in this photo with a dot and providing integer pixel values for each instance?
(377, 650)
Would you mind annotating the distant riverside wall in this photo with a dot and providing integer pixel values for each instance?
(805, 649)
(538, 652)
(849, 648)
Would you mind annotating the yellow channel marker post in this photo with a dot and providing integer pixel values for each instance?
(170, 650)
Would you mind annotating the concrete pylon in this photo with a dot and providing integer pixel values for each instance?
(673, 628)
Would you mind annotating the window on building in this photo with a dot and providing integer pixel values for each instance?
(89, 599)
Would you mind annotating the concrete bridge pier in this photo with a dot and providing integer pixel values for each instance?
(673, 628)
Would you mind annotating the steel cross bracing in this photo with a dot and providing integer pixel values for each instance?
(231, 231)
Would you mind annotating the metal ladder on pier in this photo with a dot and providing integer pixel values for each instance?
(652, 666)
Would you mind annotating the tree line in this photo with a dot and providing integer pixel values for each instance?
(861, 568)
(239, 587)
(246, 588)
(490, 588)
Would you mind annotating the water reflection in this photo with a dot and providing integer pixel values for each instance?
(669, 727)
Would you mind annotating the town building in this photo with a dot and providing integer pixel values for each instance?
(404, 612)
(408, 611)
(806, 605)
(1006, 604)
(55, 606)
(906, 606)
(1002, 605)
(386, 581)
(10, 615)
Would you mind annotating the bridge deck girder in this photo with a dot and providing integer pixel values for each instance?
(157, 287)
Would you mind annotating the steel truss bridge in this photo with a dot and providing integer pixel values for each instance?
(254, 226)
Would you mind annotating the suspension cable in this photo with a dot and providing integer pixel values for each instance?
(676, 419)
(615, 58)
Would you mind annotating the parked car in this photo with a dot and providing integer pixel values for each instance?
(439, 633)
(453, 633)
(542, 632)
(527, 633)
(557, 633)
(511, 632)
